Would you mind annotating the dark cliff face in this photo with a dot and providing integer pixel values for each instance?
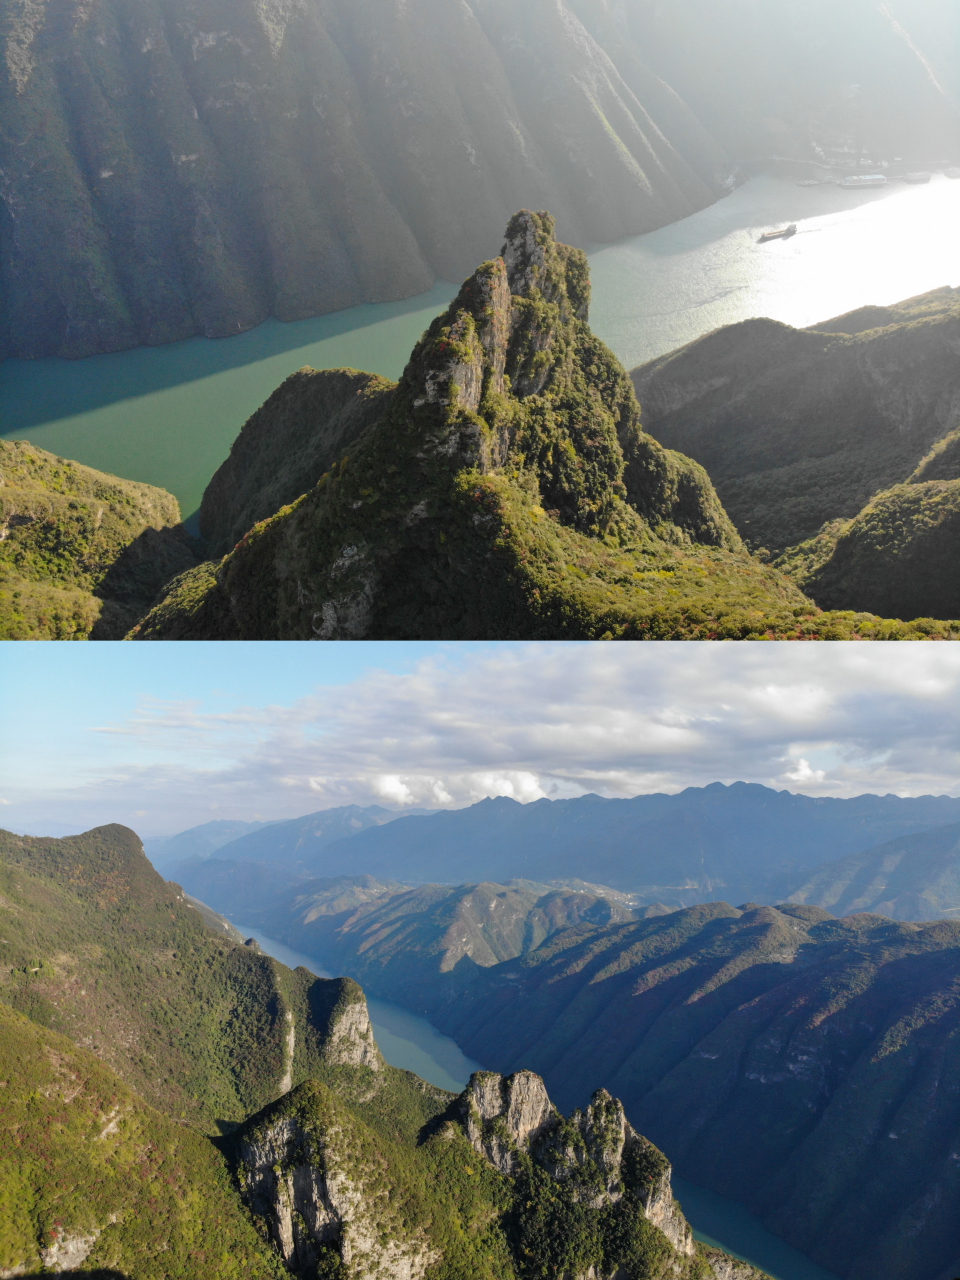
(172, 169)
(194, 168)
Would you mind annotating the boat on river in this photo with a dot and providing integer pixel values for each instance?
(916, 178)
(863, 180)
(783, 233)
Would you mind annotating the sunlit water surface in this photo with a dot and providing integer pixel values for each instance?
(167, 415)
(413, 1043)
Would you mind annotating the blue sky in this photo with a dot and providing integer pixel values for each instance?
(164, 736)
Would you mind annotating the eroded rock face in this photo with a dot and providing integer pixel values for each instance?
(301, 1175)
(350, 1040)
(502, 1116)
(597, 1150)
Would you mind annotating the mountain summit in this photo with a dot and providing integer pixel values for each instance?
(504, 488)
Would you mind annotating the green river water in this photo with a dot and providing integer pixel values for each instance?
(167, 415)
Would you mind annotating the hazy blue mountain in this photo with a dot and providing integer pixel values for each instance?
(197, 842)
(738, 842)
(913, 878)
(295, 842)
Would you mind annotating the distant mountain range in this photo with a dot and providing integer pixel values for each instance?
(821, 1051)
(740, 842)
(190, 169)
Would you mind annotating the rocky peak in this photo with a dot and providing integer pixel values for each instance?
(596, 1153)
(503, 1115)
(348, 1036)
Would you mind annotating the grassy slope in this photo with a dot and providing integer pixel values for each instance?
(80, 550)
(508, 492)
(81, 1155)
(97, 946)
(899, 556)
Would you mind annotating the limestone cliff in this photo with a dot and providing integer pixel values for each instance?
(596, 1154)
(586, 1198)
(308, 1173)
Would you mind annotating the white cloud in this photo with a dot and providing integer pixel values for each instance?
(541, 720)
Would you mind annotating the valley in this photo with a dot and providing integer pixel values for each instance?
(274, 1138)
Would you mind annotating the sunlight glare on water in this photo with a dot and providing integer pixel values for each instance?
(654, 293)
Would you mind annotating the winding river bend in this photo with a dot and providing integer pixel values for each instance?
(168, 415)
(409, 1041)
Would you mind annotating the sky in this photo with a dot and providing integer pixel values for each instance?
(163, 737)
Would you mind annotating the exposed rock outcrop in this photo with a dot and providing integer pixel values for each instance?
(349, 1040)
(305, 1174)
(596, 1152)
(508, 490)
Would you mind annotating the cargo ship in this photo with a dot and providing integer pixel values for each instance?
(784, 233)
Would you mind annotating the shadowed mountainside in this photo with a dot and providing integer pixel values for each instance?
(172, 169)
(804, 1065)
(194, 168)
(913, 878)
(834, 445)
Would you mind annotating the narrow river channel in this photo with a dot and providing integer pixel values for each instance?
(168, 415)
(413, 1043)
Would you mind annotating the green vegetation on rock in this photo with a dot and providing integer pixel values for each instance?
(508, 491)
(81, 553)
(93, 1178)
(899, 556)
(348, 1169)
(96, 946)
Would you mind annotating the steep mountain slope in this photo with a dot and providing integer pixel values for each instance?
(899, 556)
(804, 1065)
(507, 492)
(498, 1185)
(398, 940)
(94, 1179)
(171, 170)
(82, 553)
(98, 947)
(914, 878)
(798, 427)
(184, 168)
(286, 446)
(740, 841)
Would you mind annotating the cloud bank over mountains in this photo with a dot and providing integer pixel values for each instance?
(554, 720)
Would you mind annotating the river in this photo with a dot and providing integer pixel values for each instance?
(409, 1041)
(167, 415)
